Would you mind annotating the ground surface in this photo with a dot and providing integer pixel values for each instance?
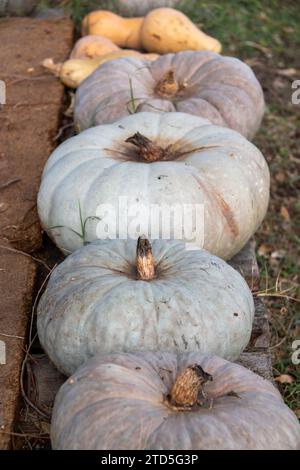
(28, 124)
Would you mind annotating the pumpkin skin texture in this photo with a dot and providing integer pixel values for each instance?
(228, 176)
(221, 89)
(167, 30)
(116, 402)
(124, 32)
(96, 303)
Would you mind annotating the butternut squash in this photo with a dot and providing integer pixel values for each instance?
(92, 46)
(125, 32)
(73, 71)
(167, 30)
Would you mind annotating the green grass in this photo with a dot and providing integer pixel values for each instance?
(269, 24)
(83, 226)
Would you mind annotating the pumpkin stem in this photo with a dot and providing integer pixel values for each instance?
(144, 260)
(187, 386)
(148, 150)
(168, 85)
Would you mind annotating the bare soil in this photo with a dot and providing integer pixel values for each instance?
(28, 123)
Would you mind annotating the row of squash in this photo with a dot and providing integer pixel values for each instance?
(146, 331)
(105, 35)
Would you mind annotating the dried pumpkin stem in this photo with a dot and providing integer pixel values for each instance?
(144, 260)
(148, 150)
(187, 386)
(168, 86)
(52, 66)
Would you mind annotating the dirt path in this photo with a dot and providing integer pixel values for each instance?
(28, 123)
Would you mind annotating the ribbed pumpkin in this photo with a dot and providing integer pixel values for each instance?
(17, 7)
(120, 295)
(155, 160)
(145, 401)
(139, 7)
(221, 89)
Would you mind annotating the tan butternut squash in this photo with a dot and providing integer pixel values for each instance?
(73, 71)
(92, 46)
(167, 30)
(125, 32)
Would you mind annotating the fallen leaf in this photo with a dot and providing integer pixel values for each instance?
(285, 214)
(264, 250)
(279, 254)
(283, 310)
(289, 29)
(45, 427)
(285, 379)
(287, 72)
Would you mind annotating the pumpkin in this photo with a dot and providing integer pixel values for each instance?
(125, 32)
(221, 89)
(73, 71)
(155, 160)
(119, 295)
(140, 7)
(168, 401)
(17, 7)
(167, 30)
(92, 46)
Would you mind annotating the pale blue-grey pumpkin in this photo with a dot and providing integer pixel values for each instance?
(122, 401)
(105, 297)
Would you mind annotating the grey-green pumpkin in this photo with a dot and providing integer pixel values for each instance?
(221, 89)
(105, 298)
(126, 401)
